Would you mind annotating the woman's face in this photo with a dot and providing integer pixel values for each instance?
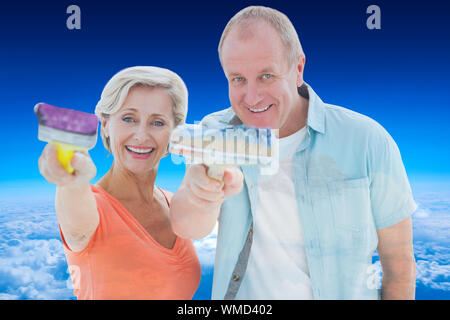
(140, 131)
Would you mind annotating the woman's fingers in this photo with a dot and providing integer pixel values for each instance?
(52, 170)
(85, 169)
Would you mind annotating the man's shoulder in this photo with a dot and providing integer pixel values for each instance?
(357, 131)
(218, 118)
(348, 121)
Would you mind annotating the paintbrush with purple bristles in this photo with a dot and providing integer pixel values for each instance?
(67, 129)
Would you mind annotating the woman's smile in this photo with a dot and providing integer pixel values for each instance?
(139, 152)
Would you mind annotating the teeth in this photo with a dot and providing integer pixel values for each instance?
(260, 110)
(146, 150)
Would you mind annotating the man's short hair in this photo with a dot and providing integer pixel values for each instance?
(276, 19)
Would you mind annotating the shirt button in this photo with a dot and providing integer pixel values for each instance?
(236, 277)
(250, 232)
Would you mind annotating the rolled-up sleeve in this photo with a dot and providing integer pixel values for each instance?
(390, 191)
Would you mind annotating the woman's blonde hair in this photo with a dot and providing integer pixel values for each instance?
(117, 88)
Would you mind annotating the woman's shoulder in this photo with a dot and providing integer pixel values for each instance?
(100, 193)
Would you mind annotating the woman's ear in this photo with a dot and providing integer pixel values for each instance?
(104, 125)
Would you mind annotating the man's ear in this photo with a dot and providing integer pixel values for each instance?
(300, 68)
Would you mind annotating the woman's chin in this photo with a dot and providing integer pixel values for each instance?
(140, 171)
(140, 167)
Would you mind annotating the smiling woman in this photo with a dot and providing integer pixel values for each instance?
(141, 128)
(117, 235)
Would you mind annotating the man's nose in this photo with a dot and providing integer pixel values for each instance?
(252, 95)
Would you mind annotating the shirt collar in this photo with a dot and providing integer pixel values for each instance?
(316, 111)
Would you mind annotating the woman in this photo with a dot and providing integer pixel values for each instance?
(117, 236)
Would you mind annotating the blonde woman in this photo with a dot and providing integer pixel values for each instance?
(117, 236)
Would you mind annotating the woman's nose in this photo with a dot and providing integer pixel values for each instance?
(142, 132)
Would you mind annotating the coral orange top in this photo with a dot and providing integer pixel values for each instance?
(123, 261)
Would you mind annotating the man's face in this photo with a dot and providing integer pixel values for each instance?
(262, 85)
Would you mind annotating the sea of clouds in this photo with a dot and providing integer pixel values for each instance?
(33, 264)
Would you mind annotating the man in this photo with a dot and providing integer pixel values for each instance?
(309, 231)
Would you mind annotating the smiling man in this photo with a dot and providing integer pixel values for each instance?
(308, 231)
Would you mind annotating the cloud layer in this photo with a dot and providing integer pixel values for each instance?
(33, 264)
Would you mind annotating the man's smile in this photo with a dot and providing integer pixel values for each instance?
(258, 110)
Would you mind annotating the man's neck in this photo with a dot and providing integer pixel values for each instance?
(300, 115)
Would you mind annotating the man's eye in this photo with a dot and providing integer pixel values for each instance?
(238, 79)
(267, 76)
(158, 123)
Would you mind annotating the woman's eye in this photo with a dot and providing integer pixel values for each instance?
(237, 79)
(267, 76)
(127, 119)
(158, 123)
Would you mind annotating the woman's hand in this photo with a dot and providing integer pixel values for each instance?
(52, 170)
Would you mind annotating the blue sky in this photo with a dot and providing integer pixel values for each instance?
(397, 75)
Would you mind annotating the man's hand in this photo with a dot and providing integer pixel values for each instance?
(196, 205)
(233, 180)
(205, 188)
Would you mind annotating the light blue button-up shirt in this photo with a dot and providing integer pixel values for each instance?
(349, 182)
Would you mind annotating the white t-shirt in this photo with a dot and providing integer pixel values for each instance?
(277, 266)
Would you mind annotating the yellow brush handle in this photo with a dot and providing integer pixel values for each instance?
(65, 154)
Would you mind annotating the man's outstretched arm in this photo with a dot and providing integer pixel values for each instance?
(195, 206)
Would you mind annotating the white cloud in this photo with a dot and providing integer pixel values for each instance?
(34, 269)
(421, 213)
(433, 274)
(33, 264)
(32, 260)
(431, 226)
(206, 248)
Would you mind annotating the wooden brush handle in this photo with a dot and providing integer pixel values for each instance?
(216, 172)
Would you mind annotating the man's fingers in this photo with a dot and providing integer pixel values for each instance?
(233, 179)
(207, 195)
(202, 181)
